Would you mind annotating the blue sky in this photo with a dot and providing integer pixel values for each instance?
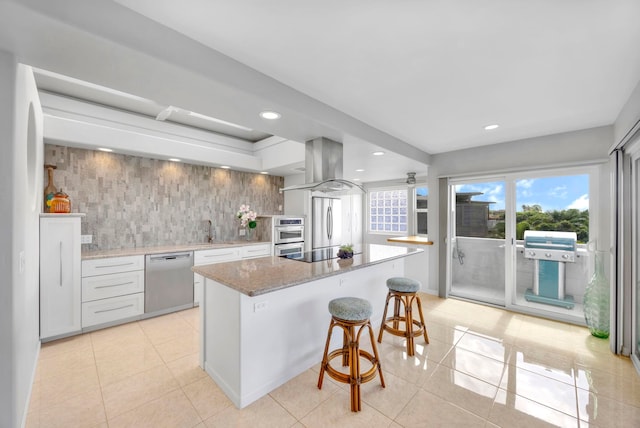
(551, 193)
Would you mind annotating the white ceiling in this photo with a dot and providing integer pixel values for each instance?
(433, 73)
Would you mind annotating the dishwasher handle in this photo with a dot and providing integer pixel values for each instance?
(164, 257)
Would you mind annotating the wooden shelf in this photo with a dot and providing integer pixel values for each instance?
(414, 240)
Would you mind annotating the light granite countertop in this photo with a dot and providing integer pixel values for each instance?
(261, 275)
(99, 254)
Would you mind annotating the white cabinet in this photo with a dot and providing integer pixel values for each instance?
(205, 257)
(258, 250)
(352, 219)
(59, 275)
(112, 290)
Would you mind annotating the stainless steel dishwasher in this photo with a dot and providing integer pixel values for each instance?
(168, 282)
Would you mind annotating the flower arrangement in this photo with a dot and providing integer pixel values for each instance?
(247, 217)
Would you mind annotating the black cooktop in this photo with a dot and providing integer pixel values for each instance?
(318, 255)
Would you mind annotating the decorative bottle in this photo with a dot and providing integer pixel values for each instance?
(50, 190)
(596, 298)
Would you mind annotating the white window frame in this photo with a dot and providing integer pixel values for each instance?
(408, 215)
(417, 210)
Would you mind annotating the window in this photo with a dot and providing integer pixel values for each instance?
(388, 210)
(422, 208)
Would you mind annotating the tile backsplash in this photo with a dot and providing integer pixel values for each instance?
(132, 201)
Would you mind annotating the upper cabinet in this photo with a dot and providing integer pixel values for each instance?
(60, 278)
(352, 219)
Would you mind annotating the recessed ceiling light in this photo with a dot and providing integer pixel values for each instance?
(378, 153)
(271, 115)
(225, 167)
(356, 179)
(360, 170)
(174, 159)
(104, 149)
(264, 172)
(491, 127)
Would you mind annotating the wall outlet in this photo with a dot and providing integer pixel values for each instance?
(260, 306)
(22, 262)
(242, 232)
(86, 239)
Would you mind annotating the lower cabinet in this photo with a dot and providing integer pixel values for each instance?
(112, 290)
(59, 275)
(206, 257)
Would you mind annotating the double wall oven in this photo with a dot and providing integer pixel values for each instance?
(288, 235)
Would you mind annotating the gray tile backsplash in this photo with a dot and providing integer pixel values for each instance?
(132, 201)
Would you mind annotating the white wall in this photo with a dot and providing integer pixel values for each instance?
(629, 117)
(566, 149)
(19, 318)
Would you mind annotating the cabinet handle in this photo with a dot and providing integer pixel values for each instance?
(114, 285)
(218, 255)
(114, 309)
(60, 263)
(117, 265)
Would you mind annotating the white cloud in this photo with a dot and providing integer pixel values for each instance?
(582, 203)
(525, 184)
(559, 192)
(496, 191)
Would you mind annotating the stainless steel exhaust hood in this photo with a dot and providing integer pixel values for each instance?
(323, 168)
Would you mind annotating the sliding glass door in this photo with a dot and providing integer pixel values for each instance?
(477, 247)
(487, 223)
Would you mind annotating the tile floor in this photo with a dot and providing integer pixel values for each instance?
(484, 367)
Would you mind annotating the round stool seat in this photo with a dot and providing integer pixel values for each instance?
(350, 308)
(403, 285)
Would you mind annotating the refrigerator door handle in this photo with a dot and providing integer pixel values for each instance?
(329, 222)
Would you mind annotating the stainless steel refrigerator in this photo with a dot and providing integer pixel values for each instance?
(327, 222)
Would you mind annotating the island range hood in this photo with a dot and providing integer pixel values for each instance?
(323, 168)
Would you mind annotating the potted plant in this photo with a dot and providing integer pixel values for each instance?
(345, 251)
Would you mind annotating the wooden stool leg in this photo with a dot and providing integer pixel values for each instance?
(345, 349)
(424, 326)
(354, 370)
(375, 354)
(408, 324)
(384, 318)
(396, 311)
(323, 365)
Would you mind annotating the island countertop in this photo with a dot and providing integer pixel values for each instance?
(257, 276)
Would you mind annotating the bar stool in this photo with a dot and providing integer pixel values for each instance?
(405, 292)
(350, 313)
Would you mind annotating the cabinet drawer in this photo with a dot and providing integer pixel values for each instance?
(205, 257)
(115, 284)
(112, 265)
(256, 251)
(112, 309)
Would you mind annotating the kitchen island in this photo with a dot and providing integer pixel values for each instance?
(264, 320)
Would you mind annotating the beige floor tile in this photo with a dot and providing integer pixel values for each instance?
(192, 316)
(63, 363)
(607, 362)
(84, 410)
(481, 367)
(301, 395)
(620, 388)
(544, 361)
(416, 369)
(165, 328)
(391, 399)
(544, 390)
(122, 396)
(485, 345)
(170, 411)
(206, 397)
(179, 347)
(603, 411)
(511, 410)
(118, 336)
(265, 412)
(443, 333)
(187, 370)
(116, 363)
(427, 409)
(336, 412)
(61, 346)
(463, 390)
(57, 389)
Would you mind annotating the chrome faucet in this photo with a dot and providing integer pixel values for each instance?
(210, 236)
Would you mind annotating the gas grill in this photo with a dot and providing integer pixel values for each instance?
(551, 251)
